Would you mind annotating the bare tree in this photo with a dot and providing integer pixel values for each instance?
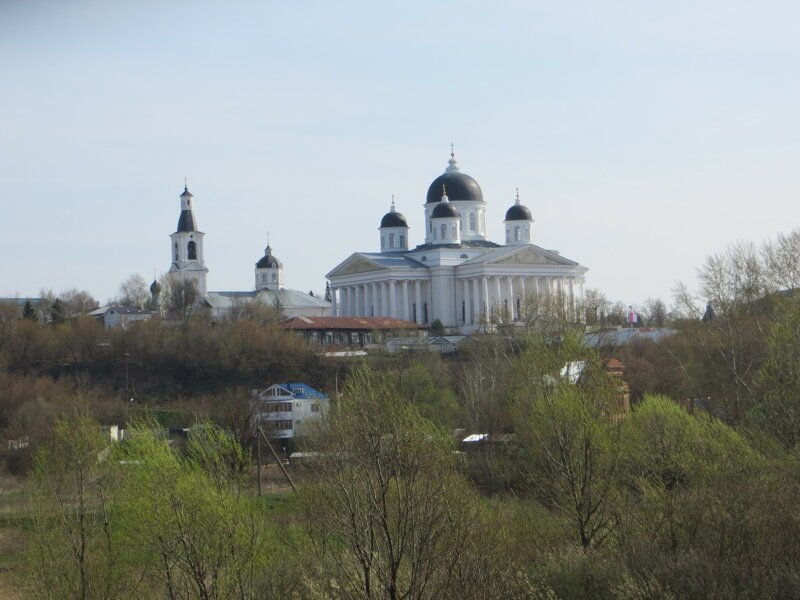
(133, 292)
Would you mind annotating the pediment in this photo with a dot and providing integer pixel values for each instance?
(532, 256)
(355, 264)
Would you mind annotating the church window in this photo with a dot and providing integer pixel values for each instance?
(454, 232)
(508, 235)
(391, 240)
(176, 251)
(483, 222)
(516, 234)
(527, 234)
(274, 277)
(472, 221)
(402, 241)
(444, 231)
(383, 241)
(263, 278)
(192, 248)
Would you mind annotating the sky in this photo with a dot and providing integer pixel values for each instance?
(643, 136)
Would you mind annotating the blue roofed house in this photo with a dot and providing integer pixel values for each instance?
(285, 410)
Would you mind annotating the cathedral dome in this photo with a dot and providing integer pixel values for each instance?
(393, 218)
(444, 210)
(518, 212)
(155, 287)
(460, 186)
(268, 261)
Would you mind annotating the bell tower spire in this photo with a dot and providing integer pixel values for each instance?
(188, 263)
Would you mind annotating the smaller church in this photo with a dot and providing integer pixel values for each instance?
(457, 276)
(188, 264)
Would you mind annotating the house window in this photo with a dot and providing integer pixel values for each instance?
(192, 248)
(328, 337)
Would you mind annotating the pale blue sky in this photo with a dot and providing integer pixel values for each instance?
(642, 135)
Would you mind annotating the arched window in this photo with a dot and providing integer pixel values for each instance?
(472, 221)
(383, 241)
(274, 277)
(483, 222)
(391, 240)
(192, 248)
(444, 231)
(402, 241)
(454, 232)
(516, 233)
(508, 235)
(176, 251)
(527, 234)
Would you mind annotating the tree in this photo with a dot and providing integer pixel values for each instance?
(328, 295)
(57, 312)
(567, 424)
(28, 312)
(134, 291)
(74, 552)
(183, 298)
(388, 515)
(77, 302)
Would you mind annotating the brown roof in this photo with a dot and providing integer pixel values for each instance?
(348, 323)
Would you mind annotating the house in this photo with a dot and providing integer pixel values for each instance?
(119, 316)
(351, 331)
(285, 410)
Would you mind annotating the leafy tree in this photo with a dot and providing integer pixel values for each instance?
(388, 515)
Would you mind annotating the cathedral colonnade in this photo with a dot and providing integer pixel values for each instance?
(479, 299)
(407, 299)
(484, 298)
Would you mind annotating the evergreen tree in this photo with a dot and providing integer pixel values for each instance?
(57, 312)
(28, 312)
(328, 296)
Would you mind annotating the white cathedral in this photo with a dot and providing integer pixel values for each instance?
(188, 264)
(457, 276)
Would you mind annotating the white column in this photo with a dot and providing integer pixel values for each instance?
(381, 311)
(485, 291)
(498, 303)
(522, 307)
(418, 300)
(404, 304)
(571, 288)
(333, 301)
(476, 302)
(511, 308)
(357, 301)
(392, 300)
(467, 307)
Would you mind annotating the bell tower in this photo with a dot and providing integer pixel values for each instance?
(187, 248)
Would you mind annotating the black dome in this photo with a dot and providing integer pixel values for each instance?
(519, 213)
(155, 287)
(268, 261)
(393, 219)
(459, 186)
(444, 210)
